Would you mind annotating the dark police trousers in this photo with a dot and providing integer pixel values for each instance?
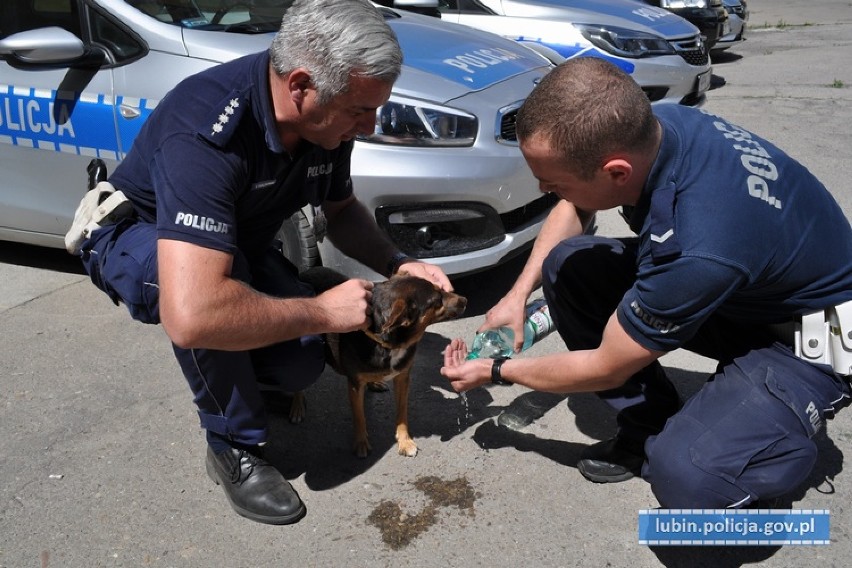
(746, 435)
(122, 261)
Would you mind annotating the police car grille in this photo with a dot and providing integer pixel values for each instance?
(692, 50)
(516, 218)
(507, 132)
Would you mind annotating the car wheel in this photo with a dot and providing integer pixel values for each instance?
(298, 242)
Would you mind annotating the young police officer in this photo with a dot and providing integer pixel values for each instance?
(737, 243)
(225, 158)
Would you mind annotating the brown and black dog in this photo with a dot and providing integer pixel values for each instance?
(403, 307)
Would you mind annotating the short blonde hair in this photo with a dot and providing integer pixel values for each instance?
(586, 109)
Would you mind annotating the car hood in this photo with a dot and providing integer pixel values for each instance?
(624, 13)
(461, 58)
(443, 61)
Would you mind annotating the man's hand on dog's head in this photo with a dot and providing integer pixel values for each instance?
(427, 271)
(347, 307)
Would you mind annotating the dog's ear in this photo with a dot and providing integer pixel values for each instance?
(398, 316)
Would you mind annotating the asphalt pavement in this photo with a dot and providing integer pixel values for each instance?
(102, 458)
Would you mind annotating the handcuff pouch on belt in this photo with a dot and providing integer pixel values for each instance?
(101, 206)
(825, 337)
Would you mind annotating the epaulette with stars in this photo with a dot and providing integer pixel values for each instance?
(223, 122)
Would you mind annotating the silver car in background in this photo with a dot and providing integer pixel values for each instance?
(737, 20)
(442, 172)
(663, 52)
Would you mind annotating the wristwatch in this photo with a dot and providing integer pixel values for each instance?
(496, 377)
(396, 261)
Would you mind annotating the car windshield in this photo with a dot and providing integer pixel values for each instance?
(241, 16)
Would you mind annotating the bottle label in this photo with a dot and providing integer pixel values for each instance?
(541, 323)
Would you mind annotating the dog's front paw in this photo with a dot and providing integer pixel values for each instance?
(407, 447)
(362, 448)
(298, 408)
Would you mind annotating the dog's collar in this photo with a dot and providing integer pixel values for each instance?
(377, 339)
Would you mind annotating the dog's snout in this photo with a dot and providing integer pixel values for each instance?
(456, 305)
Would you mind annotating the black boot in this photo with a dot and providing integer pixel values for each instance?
(255, 488)
(647, 401)
(611, 461)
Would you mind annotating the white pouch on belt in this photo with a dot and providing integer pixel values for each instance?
(101, 206)
(826, 337)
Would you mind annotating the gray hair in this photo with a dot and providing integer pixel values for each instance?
(333, 40)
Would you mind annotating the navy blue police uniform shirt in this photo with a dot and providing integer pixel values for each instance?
(208, 166)
(729, 224)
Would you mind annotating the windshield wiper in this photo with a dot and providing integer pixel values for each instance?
(252, 27)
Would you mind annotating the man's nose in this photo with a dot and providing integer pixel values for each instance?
(367, 124)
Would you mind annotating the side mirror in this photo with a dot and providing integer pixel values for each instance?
(425, 7)
(51, 46)
(403, 4)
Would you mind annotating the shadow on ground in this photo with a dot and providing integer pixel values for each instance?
(721, 58)
(57, 260)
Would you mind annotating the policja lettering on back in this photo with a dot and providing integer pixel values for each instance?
(756, 160)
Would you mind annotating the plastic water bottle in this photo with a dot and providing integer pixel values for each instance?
(493, 343)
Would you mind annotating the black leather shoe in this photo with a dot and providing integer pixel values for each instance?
(255, 488)
(611, 461)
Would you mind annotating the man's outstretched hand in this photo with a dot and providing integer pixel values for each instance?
(463, 374)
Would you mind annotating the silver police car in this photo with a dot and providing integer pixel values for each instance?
(442, 171)
(737, 21)
(663, 52)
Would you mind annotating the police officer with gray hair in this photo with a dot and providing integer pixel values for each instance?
(184, 230)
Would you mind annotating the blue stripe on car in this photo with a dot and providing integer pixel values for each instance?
(48, 119)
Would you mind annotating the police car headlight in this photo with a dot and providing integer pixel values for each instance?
(414, 123)
(669, 4)
(624, 42)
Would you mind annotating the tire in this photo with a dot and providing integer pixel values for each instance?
(298, 242)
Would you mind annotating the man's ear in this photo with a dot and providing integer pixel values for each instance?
(298, 82)
(620, 170)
